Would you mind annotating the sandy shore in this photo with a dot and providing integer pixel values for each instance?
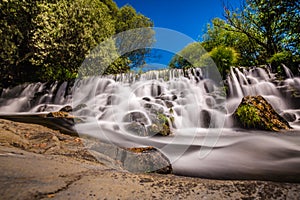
(39, 163)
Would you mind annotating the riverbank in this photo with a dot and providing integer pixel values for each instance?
(39, 163)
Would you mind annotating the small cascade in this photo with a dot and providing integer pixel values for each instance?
(126, 109)
(257, 81)
(35, 97)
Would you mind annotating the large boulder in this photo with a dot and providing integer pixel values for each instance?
(135, 159)
(256, 113)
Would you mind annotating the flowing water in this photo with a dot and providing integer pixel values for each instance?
(204, 141)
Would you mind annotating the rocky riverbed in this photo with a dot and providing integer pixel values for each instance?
(40, 163)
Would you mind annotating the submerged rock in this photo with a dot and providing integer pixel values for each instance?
(255, 112)
(290, 117)
(66, 109)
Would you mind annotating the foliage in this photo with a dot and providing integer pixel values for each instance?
(188, 57)
(218, 34)
(248, 115)
(224, 58)
(284, 57)
(128, 19)
(48, 40)
(273, 26)
(15, 34)
(65, 33)
(194, 55)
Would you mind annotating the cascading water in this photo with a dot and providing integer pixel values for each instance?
(196, 111)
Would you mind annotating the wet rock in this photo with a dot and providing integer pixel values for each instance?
(255, 112)
(79, 107)
(205, 118)
(136, 128)
(160, 125)
(153, 108)
(169, 104)
(66, 109)
(146, 99)
(112, 100)
(136, 117)
(60, 114)
(290, 117)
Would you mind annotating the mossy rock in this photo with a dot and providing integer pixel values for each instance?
(160, 125)
(256, 113)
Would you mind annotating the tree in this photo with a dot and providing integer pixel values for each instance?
(128, 19)
(189, 57)
(219, 33)
(224, 58)
(49, 39)
(15, 34)
(66, 32)
(272, 25)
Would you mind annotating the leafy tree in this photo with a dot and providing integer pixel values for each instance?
(48, 39)
(219, 33)
(224, 58)
(65, 33)
(272, 25)
(194, 55)
(128, 19)
(15, 34)
(188, 57)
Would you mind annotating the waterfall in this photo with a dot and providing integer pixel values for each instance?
(203, 141)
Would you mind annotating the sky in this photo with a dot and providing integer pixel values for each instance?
(188, 17)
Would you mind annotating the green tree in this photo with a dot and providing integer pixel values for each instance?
(48, 39)
(188, 57)
(224, 58)
(272, 25)
(15, 34)
(66, 32)
(219, 33)
(128, 19)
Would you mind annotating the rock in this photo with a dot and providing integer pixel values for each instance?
(154, 108)
(290, 117)
(205, 118)
(136, 128)
(136, 116)
(255, 112)
(59, 114)
(146, 99)
(66, 109)
(160, 125)
(79, 107)
(135, 159)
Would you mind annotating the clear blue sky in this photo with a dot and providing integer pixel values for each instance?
(186, 16)
(189, 17)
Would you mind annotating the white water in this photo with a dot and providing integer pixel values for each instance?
(200, 144)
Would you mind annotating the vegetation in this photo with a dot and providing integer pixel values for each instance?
(260, 32)
(255, 112)
(48, 40)
(248, 115)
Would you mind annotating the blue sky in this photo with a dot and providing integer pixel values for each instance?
(189, 17)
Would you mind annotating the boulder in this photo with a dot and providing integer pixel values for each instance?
(256, 113)
(160, 125)
(66, 109)
(290, 117)
(136, 128)
(135, 159)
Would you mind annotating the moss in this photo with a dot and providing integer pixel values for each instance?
(248, 115)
